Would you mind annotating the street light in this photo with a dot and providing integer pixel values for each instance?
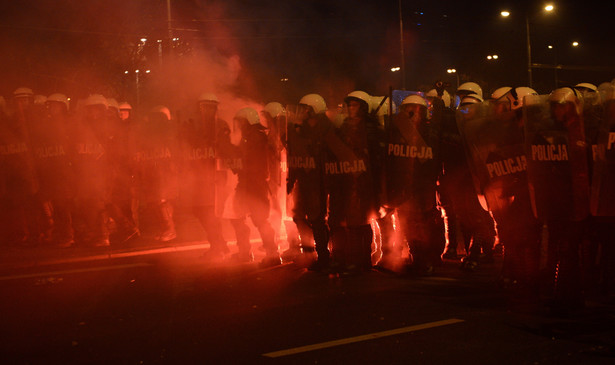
(493, 57)
(505, 14)
(401, 48)
(137, 80)
(454, 71)
(554, 63)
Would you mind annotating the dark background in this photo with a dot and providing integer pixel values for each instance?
(245, 48)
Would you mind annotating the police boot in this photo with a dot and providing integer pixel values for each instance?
(321, 240)
(242, 233)
(272, 257)
(168, 231)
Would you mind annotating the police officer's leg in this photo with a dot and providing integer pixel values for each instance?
(437, 240)
(607, 256)
(306, 234)
(63, 223)
(339, 243)
(212, 226)
(365, 241)
(419, 237)
(392, 246)
(242, 234)
(532, 248)
(567, 291)
(299, 230)
(321, 239)
(98, 220)
(258, 205)
(168, 223)
(445, 192)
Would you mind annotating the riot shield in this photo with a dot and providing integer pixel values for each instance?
(277, 174)
(304, 163)
(464, 114)
(603, 177)
(556, 153)
(351, 171)
(495, 149)
(198, 166)
(412, 156)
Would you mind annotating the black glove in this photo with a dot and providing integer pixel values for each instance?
(439, 85)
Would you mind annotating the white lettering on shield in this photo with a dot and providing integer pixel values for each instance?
(345, 167)
(611, 140)
(507, 166)
(402, 150)
(551, 152)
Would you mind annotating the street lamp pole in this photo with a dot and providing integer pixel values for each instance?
(529, 51)
(401, 45)
(169, 28)
(454, 71)
(137, 86)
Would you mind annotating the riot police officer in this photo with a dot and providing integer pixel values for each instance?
(19, 182)
(275, 117)
(50, 145)
(90, 163)
(122, 205)
(200, 139)
(156, 160)
(559, 187)
(306, 155)
(251, 193)
(411, 176)
(354, 179)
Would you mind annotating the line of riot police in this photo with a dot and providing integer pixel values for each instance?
(543, 161)
(384, 175)
(57, 170)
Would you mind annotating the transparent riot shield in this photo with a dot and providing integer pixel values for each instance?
(557, 155)
(494, 143)
(603, 177)
(464, 117)
(412, 161)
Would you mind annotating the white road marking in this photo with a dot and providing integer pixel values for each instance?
(74, 271)
(371, 336)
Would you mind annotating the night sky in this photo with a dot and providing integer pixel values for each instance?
(330, 47)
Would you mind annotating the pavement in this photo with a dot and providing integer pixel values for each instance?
(23, 257)
(190, 237)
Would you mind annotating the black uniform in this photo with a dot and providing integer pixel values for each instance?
(559, 189)
(251, 194)
(413, 165)
(306, 155)
(354, 176)
(156, 159)
(51, 151)
(201, 178)
(91, 166)
(19, 184)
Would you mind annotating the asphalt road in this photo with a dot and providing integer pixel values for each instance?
(174, 308)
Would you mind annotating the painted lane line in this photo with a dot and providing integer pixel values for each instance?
(371, 336)
(74, 271)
